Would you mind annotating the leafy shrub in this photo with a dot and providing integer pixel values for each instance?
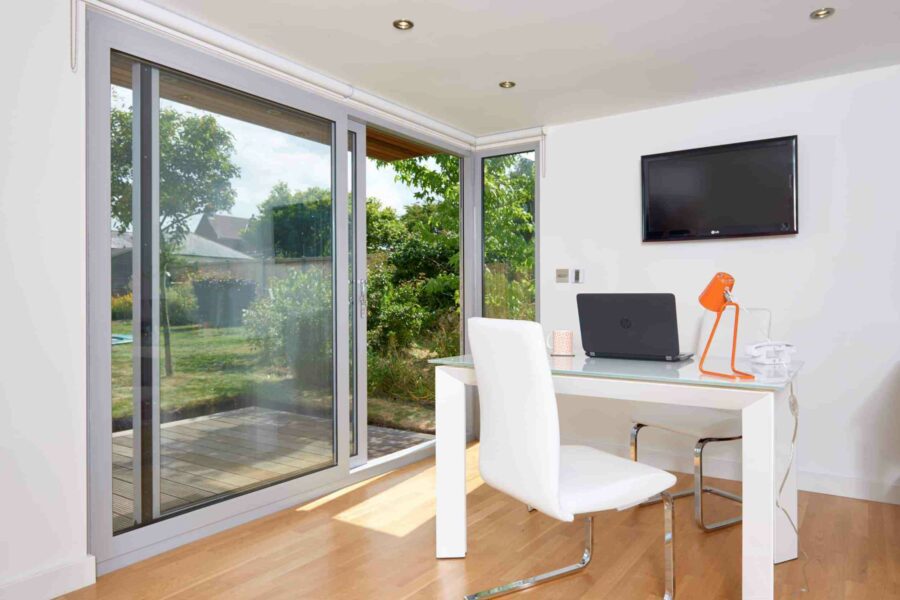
(395, 317)
(508, 294)
(121, 307)
(180, 300)
(293, 325)
(221, 301)
(181, 304)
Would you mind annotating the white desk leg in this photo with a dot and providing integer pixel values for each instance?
(785, 536)
(450, 460)
(758, 528)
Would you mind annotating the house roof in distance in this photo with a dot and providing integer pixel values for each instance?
(227, 227)
(194, 246)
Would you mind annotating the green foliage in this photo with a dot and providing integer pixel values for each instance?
(384, 231)
(196, 167)
(182, 304)
(180, 299)
(395, 317)
(292, 224)
(292, 326)
(220, 301)
(195, 173)
(508, 223)
(121, 307)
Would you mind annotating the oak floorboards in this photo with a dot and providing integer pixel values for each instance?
(376, 540)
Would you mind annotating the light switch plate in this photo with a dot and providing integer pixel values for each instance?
(562, 276)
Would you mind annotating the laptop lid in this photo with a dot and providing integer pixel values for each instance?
(638, 325)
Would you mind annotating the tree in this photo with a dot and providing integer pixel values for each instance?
(292, 224)
(196, 167)
(508, 224)
(432, 249)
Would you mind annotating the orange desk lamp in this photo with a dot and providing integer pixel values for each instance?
(716, 298)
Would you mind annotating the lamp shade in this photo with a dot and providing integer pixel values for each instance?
(713, 297)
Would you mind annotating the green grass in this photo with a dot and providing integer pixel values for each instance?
(218, 368)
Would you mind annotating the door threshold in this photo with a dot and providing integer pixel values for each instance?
(394, 460)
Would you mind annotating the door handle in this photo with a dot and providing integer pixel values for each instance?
(362, 286)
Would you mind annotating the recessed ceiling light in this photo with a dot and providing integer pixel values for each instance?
(403, 24)
(507, 84)
(821, 13)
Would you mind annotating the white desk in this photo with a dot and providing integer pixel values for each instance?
(767, 422)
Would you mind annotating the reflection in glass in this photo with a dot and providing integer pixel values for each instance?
(509, 242)
(351, 244)
(241, 301)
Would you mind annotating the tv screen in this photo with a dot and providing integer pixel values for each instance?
(735, 190)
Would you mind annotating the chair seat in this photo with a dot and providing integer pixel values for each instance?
(591, 480)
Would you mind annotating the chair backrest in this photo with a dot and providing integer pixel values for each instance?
(519, 450)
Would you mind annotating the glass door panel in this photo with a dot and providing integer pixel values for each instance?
(508, 236)
(222, 211)
(356, 148)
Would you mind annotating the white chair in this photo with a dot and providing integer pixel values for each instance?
(705, 426)
(520, 451)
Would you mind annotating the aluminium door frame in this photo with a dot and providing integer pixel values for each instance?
(359, 326)
(104, 35)
(478, 190)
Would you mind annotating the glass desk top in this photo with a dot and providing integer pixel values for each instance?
(768, 377)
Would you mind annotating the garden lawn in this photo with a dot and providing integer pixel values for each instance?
(218, 368)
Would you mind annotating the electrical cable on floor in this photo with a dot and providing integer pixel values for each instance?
(795, 411)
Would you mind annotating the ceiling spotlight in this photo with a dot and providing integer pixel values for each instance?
(507, 84)
(403, 24)
(822, 13)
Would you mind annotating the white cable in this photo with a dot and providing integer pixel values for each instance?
(795, 411)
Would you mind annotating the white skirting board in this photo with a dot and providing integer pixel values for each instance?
(682, 462)
(52, 582)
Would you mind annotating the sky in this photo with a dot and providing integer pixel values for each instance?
(266, 156)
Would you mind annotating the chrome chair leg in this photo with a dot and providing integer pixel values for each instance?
(669, 544)
(523, 584)
(635, 430)
(700, 489)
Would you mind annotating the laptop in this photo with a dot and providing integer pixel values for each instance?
(635, 326)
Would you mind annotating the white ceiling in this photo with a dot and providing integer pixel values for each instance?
(572, 59)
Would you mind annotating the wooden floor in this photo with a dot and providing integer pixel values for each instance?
(236, 450)
(376, 540)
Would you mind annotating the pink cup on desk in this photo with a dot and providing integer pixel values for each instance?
(560, 342)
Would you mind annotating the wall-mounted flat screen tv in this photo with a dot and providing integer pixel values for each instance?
(735, 190)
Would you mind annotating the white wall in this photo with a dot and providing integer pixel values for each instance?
(834, 288)
(43, 491)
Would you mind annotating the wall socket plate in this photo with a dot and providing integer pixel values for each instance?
(565, 275)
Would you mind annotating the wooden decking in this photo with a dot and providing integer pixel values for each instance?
(236, 450)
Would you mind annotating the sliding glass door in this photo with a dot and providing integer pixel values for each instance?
(406, 296)
(222, 312)
(267, 279)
